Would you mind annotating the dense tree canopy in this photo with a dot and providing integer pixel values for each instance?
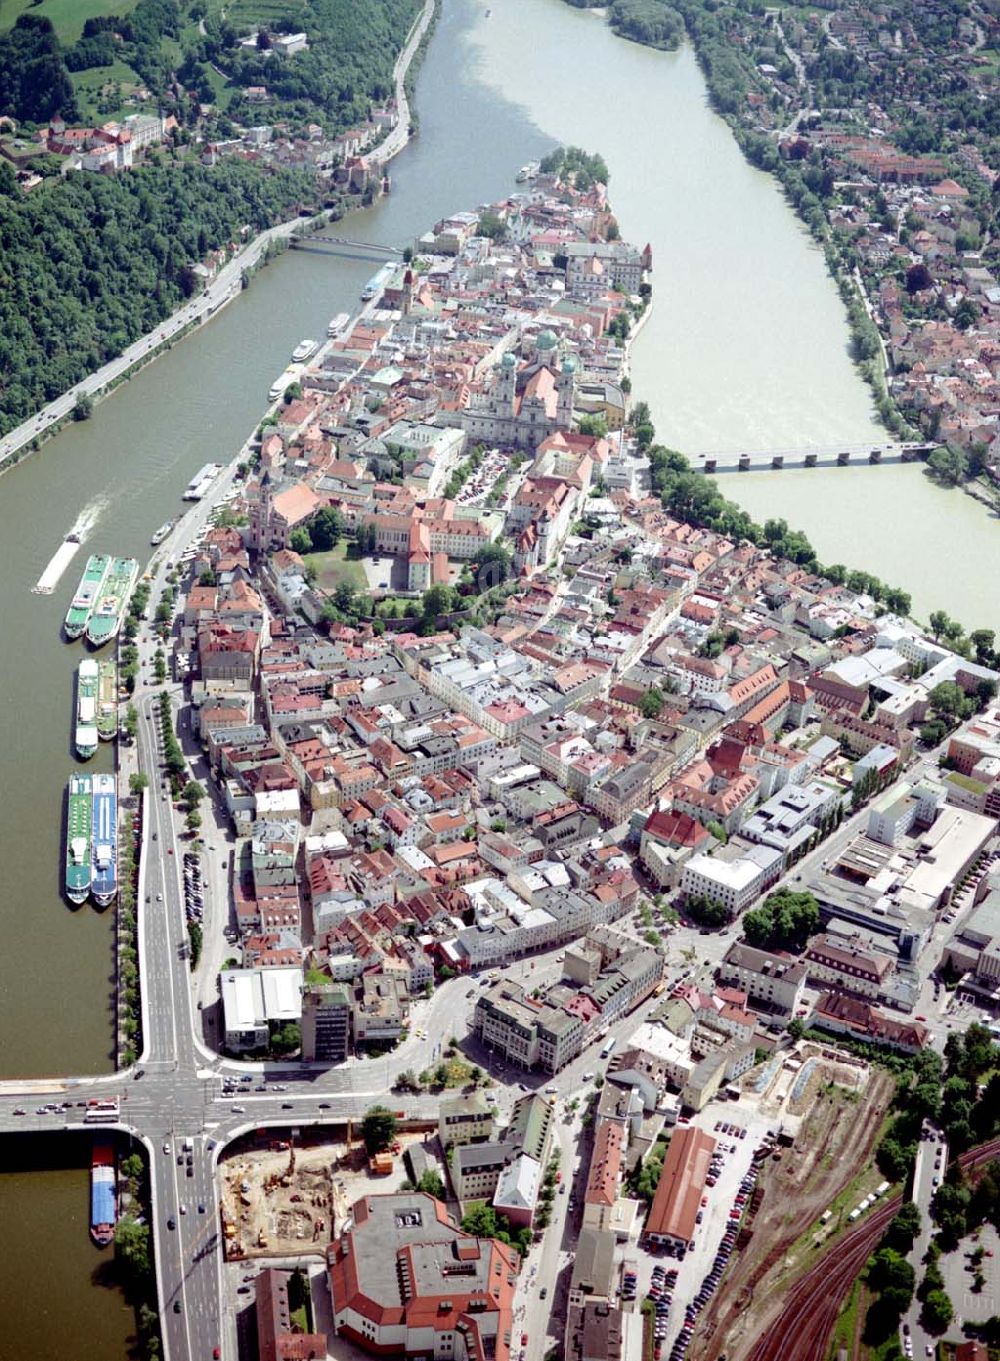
(34, 83)
(91, 263)
(784, 921)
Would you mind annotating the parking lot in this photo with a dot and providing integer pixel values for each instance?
(482, 480)
(679, 1286)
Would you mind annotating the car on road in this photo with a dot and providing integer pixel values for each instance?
(171, 1223)
(166, 1148)
(543, 1293)
(177, 1306)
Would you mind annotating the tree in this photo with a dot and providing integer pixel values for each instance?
(785, 920)
(949, 465)
(707, 911)
(595, 425)
(651, 702)
(132, 1167)
(299, 540)
(937, 1312)
(343, 596)
(326, 529)
(492, 227)
(796, 1028)
(436, 600)
(432, 1184)
(137, 782)
(286, 1039)
(983, 640)
(83, 407)
(918, 277)
(193, 793)
(132, 1245)
(939, 622)
(493, 567)
(193, 821)
(378, 1129)
(904, 1228)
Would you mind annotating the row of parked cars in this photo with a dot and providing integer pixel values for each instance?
(660, 1288)
(194, 902)
(714, 1276)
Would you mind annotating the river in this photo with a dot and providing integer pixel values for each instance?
(746, 346)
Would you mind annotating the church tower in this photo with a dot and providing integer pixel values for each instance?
(566, 392)
(407, 292)
(506, 388)
(261, 515)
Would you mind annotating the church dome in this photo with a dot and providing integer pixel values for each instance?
(546, 341)
(569, 364)
(508, 361)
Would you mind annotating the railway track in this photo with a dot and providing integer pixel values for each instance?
(801, 1331)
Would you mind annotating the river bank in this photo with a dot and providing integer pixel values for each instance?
(867, 349)
(746, 344)
(231, 280)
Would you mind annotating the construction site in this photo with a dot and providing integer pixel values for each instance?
(284, 1198)
(830, 1108)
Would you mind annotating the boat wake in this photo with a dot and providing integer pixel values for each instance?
(78, 533)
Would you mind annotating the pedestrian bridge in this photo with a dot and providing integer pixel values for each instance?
(808, 456)
(321, 244)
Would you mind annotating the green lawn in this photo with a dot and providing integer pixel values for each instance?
(221, 87)
(335, 566)
(243, 13)
(68, 16)
(89, 84)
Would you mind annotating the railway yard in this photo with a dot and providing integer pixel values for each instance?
(831, 1122)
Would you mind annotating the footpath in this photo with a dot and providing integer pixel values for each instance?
(226, 285)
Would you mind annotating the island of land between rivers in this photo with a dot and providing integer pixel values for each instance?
(746, 346)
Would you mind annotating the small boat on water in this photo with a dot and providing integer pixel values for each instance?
(338, 323)
(162, 532)
(304, 350)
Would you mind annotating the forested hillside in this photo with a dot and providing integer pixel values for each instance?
(91, 263)
(183, 48)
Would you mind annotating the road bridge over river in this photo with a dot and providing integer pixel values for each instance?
(808, 456)
(322, 244)
(175, 1092)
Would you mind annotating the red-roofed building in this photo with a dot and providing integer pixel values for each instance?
(405, 1282)
(276, 1340)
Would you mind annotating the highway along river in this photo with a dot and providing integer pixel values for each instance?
(746, 346)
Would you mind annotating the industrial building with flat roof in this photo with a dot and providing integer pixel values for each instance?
(674, 1212)
(252, 998)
